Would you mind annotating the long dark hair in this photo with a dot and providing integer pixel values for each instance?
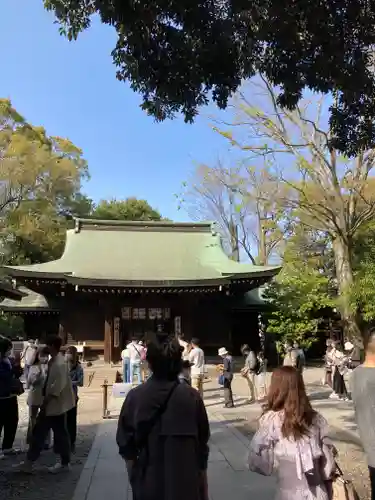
(287, 393)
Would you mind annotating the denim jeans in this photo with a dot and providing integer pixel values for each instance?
(126, 371)
(135, 371)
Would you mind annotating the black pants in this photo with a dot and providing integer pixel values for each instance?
(372, 481)
(228, 395)
(8, 421)
(71, 422)
(339, 386)
(61, 439)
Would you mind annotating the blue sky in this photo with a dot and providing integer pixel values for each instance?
(71, 90)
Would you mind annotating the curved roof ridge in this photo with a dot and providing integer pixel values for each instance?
(91, 223)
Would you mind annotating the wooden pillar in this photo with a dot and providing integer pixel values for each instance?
(108, 337)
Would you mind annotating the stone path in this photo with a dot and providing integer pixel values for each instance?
(104, 473)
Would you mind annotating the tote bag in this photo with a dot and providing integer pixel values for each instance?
(340, 488)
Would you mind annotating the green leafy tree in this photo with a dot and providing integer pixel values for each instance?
(300, 293)
(40, 182)
(129, 209)
(178, 55)
(323, 190)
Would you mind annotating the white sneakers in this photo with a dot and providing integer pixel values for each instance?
(59, 467)
(27, 467)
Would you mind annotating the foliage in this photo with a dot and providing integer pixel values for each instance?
(129, 209)
(11, 326)
(363, 293)
(40, 181)
(323, 191)
(299, 295)
(242, 201)
(178, 54)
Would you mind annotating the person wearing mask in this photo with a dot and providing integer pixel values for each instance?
(36, 379)
(196, 358)
(10, 388)
(58, 400)
(125, 357)
(163, 424)
(76, 377)
(363, 395)
(295, 437)
(249, 372)
(136, 355)
(227, 372)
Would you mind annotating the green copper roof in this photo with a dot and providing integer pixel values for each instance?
(143, 253)
(30, 301)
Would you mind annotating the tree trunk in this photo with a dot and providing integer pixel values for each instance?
(345, 282)
(262, 246)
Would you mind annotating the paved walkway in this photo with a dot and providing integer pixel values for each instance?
(104, 473)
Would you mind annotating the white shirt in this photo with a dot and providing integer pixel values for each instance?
(135, 352)
(125, 354)
(184, 345)
(197, 357)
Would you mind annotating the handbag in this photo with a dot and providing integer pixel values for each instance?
(340, 488)
(17, 387)
(221, 379)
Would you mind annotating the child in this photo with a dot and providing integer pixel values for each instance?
(185, 375)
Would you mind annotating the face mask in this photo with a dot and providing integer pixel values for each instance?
(43, 359)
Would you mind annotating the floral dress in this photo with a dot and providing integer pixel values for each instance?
(301, 466)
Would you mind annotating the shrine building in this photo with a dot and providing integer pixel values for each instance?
(120, 279)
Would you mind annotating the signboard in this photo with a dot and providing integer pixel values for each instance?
(116, 332)
(177, 325)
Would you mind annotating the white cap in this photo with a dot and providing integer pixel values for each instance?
(222, 351)
(348, 346)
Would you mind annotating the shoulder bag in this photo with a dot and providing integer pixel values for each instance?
(340, 488)
(140, 464)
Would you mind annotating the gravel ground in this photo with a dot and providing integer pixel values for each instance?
(41, 485)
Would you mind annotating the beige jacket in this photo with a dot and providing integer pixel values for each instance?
(60, 387)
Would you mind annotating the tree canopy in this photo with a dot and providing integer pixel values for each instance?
(128, 209)
(180, 54)
(40, 181)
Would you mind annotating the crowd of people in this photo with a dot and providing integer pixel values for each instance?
(51, 380)
(164, 421)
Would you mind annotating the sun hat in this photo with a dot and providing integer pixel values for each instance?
(222, 351)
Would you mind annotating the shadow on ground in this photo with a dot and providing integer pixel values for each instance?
(42, 485)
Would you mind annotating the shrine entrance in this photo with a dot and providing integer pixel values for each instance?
(138, 321)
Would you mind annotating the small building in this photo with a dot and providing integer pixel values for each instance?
(120, 279)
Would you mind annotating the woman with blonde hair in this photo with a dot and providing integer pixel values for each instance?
(292, 440)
